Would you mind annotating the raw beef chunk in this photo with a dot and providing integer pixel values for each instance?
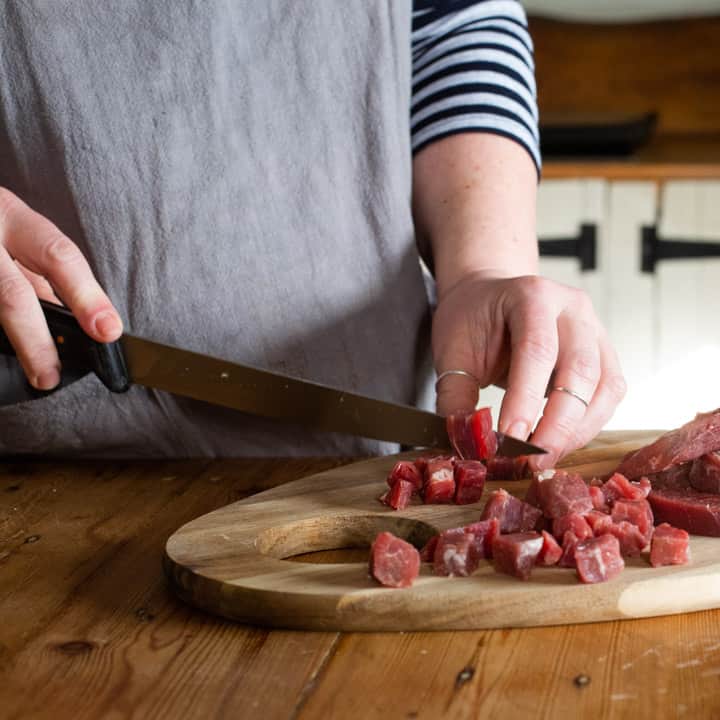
(698, 513)
(632, 541)
(637, 512)
(504, 468)
(532, 496)
(598, 499)
(705, 473)
(698, 437)
(551, 552)
(398, 497)
(676, 477)
(393, 562)
(513, 514)
(619, 487)
(427, 554)
(408, 471)
(515, 554)
(670, 546)
(573, 522)
(598, 521)
(598, 559)
(471, 434)
(484, 532)
(570, 541)
(452, 553)
(469, 481)
(562, 494)
(440, 483)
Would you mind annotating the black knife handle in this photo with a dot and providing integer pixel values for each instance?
(78, 352)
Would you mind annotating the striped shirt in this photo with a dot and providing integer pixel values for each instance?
(473, 71)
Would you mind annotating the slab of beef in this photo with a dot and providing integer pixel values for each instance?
(453, 554)
(598, 559)
(513, 514)
(551, 552)
(573, 522)
(504, 468)
(471, 434)
(705, 473)
(469, 481)
(516, 553)
(398, 496)
(562, 494)
(637, 512)
(439, 481)
(393, 562)
(688, 509)
(670, 546)
(698, 437)
(676, 477)
(408, 471)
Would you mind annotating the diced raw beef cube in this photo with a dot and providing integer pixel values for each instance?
(393, 562)
(567, 559)
(513, 514)
(705, 473)
(504, 468)
(598, 521)
(469, 481)
(573, 522)
(421, 464)
(598, 499)
(619, 487)
(408, 471)
(598, 559)
(551, 552)
(452, 551)
(637, 512)
(471, 434)
(440, 484)
(532, 496)
(484, 531)
(398, 498)
(427, 554)
(632, 541)
(695, 438)
(669, 546)
(696, 512)
(562, 494)
(515, 554)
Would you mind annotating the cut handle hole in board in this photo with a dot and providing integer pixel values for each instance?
(347, 536)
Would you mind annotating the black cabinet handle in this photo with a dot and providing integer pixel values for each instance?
(655, 248)
(582, 247)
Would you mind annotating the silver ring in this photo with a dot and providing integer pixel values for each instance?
(573, 393)
(464, 373)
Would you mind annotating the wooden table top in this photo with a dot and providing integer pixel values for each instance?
(89, 630)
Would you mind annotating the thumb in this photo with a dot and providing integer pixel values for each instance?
(457, 391)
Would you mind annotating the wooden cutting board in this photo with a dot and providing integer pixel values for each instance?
(232, 562)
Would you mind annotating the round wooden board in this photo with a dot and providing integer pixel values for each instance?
(232, 562)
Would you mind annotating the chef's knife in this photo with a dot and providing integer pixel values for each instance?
(242, 387)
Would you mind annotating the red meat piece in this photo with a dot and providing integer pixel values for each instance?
(705, 473)
(696, 512)
(398, 497)
(562, 494)
(408, 471)
(421, 464)
(637, 512)
(618, 486)
(393, 561)
(469, 481)
(676, 477)
(427, 554)
(513, 514)
(532, 496)
(598, 499)
(452, 553)
(471, 434)
(573, 522)
(567, 559)
(483, 433)
(551, 552)
(670, 546)
(515, 554)
(598, 521)
(439, 485)
(697, 437)
(484, 532)
(502, 469)
(632, 541)
(598, 559)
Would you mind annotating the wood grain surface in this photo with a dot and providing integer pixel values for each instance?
(90, 630)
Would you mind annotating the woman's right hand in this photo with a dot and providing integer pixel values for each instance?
(38, 261)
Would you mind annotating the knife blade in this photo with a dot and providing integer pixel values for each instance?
(246, 388)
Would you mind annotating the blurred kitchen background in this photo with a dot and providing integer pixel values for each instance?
(629, 203)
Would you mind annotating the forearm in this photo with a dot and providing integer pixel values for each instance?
(474, 198)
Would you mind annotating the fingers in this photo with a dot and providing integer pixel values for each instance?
(456, 393)
(578, 369)
(25, 326)
(36, 243)
(534, 351)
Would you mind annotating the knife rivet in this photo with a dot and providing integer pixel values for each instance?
(224, 376)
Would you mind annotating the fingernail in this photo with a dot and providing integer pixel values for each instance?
(47, 379)
(519, 429)
(543, 462)
(108, 325)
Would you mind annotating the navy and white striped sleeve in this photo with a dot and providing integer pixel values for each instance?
(473, 71)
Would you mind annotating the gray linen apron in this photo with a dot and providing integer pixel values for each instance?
(238, 174)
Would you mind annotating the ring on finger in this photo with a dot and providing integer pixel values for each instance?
(463, 373)
(577, 396)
